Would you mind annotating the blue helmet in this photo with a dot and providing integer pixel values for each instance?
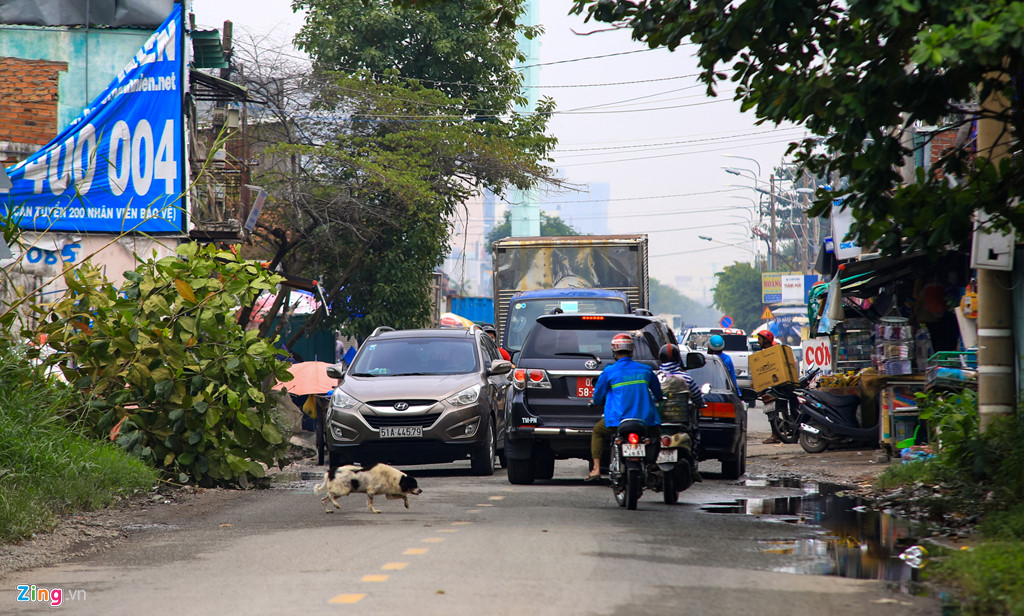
(716, 343)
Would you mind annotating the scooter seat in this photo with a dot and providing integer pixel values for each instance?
(841, 401)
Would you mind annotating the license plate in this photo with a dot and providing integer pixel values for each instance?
(634, 451)
(401, 431)
(667, 455)
(585, 386)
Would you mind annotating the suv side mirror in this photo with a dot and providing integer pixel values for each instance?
(499, 366)
(337, 371)
(694, 361)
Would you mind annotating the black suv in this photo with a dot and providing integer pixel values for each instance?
(548, 416)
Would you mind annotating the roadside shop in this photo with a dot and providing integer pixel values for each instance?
(897, 326)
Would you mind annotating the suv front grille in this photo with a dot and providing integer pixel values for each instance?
(391, 403)
(378, 421)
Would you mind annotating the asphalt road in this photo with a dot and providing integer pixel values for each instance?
(467, 545)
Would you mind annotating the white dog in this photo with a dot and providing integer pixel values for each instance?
(371, 480)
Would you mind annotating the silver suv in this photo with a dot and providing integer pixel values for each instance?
(420, 396)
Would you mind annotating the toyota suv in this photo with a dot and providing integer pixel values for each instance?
(420, 396)
(549, 415)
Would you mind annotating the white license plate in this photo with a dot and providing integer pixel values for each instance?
(634, 451)
(401, 431)
(667, 455)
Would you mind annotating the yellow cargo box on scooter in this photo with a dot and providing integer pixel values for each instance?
(773, 366)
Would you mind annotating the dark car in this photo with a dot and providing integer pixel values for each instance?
(420, 396)
(723, 420)
(548, 414)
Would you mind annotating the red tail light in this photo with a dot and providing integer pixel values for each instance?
(666, 441)
(536, 376)
(633, 438)
(722, 410)
(537, 379)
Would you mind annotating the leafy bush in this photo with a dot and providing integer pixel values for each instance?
(47, 468)
(168, 371)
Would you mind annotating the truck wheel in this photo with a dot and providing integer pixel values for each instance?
(520, 472)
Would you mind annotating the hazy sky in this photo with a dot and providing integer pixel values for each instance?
(639, 121)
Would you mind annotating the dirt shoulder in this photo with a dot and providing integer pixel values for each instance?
(96, 531)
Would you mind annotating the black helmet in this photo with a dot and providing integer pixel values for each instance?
(669, 354)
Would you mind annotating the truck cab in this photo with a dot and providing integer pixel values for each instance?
(524, 308)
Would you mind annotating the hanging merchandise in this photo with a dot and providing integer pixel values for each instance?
(894, 345)
(969, 302)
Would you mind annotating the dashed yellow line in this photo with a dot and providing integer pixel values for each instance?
(376, 577)
(394, 566)
(473, 511)
(447, 530)
(461, 523)
(496, 498)
(433, 540)
(484, 505)
(416, 551)
(348, 598)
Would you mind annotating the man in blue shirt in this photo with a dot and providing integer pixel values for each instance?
(628, 390)
(716, 345)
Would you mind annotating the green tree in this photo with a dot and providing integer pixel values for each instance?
(550, 226)
(737, 293)
(860, 76)
(388, 136)
(667, 300)
(168, 371)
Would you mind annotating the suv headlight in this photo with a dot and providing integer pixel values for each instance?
(468, 395)
(341, 400)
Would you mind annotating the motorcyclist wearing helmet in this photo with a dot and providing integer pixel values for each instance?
(670, 362)
(628, 390)
(716, 346)
(766, 339)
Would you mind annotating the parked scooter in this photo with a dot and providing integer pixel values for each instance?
(783, 408)
(632, 452)
(828, 420)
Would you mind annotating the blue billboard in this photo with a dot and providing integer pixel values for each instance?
(120, 166)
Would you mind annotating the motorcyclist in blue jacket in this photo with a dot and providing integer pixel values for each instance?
(628, 390)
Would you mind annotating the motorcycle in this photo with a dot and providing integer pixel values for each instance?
(675, 468)
(631, 455)
(826, 420)
(783, 415)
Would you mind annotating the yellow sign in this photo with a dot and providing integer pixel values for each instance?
(767, 314)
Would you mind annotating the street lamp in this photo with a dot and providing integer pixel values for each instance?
(746, 158)
(726, 244)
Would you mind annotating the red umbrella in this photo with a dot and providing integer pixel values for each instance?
(309, 377)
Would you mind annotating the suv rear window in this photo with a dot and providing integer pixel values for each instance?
(523, 313)
(546, 342)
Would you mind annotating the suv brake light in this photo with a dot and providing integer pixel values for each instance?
(533, 378)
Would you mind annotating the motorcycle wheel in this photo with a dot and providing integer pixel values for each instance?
(670, 492)
(786, 431)
(812, 443)
(618, 480)
(634, 486)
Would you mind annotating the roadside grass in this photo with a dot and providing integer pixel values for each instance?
(976, 476)
(47, 468)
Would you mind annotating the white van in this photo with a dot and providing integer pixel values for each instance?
(736, 347)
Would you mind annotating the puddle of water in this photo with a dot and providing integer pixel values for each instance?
(860, 543)
(295, 481)
(129, 528)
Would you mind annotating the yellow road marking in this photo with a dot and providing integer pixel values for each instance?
(484, 505)
(461, 523)
(394, 566)
(416, 551)
(347, 598)
(433, 540)
(496, 498)
(376, 577)
(447, 530)
(473, 511)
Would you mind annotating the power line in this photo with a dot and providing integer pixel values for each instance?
(619, 160)
(607, 55)
(679, 144)
(668, 143)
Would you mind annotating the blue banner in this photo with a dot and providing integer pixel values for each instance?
(118, 167)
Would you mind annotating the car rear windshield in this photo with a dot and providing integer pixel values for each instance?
(713, 373)
(547, 342)
(733, 342)
(523, 313)
(412, 356)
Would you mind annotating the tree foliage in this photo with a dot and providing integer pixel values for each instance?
(860, 76)
(550, 226)
(168, 371)
(737, 293)
(405, 114)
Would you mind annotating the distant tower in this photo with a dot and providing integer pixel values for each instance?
(524, 205)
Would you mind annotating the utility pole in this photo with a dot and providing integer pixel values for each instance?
(771, 202)
(997, 391)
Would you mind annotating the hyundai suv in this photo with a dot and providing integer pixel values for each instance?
(549, 415)
(420, 396)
